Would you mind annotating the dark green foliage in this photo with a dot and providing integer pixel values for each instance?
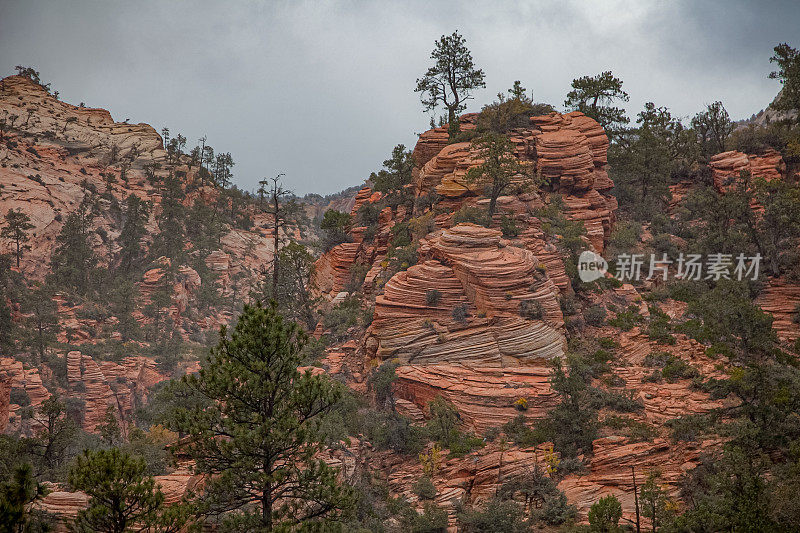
(334, 224)
(170, 241)
(380, 383)
(542, 500)
(293, 292)
(443, 428)
(121, 495)
(16, 228)
(595, 315)
(520, 433)
(259, 440)
(432, 520)
(788, 61)
(500, 168)
(508, 226)
(20, 397)
(594, 96)
(433, 297)
(472, 215)
(133, 231)
(390, 431)
(625, 320)
(73, 262)
(511, 112)
(345, 315)
(605, 514)
(572, 425)
(460, 313)
(396, 171)
(54, 436)
(498, 516)
(424, 488)
(713, 126)
(531, 309)
(635, 431)
(728, 493)
(451, 79)
(16, 496)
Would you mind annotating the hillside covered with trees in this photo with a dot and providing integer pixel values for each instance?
(422, 352)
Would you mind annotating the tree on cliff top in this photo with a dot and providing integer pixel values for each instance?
(260, 439)
(500, 168)
(713, 127)
(451, 79)
(593, 96)
(18, 224)
(788, 61)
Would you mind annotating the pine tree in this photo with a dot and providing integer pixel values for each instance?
(16, 497)
(171, 238)
(500, 168)
(18, 224)
(43, 318)
(593, 96)
(259, 441)
(451, 80)
(121, 496)
(137, 213)
(73, 261)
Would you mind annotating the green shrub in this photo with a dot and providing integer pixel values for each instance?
(607, 343)
(595, 315)
(531, 309)
(460, 313)
(473, 215)
(20, 397)
(568, 305)
(498, 516)
(424, 488)
(508, 226)
(604, 515)
(433, 297)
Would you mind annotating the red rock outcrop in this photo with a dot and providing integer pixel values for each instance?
(728, 165)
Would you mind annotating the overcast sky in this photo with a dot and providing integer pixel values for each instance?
(323, 90)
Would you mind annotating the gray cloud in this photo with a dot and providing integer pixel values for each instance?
(324, 90)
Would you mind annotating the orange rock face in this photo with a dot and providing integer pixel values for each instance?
(728, 165)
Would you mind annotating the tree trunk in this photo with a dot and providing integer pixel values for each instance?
(635, 498)
(275, 246)
(453, 126)
(492, 208)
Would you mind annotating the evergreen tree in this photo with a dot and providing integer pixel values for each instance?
(121, 496)
(713, 127)
(656, 504)
(605, 514)
(643, 163)
(286, 214)
(7, 327)
(171, 238)
(259, 441)
(500, 168)
(451, 79)
(788, 61)
(43, 318)
(136, 213)
(73, 261)
(396, 171)
(54, 433)
(16, 496)
(593, 96)
(16, 229)
(334, 224)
